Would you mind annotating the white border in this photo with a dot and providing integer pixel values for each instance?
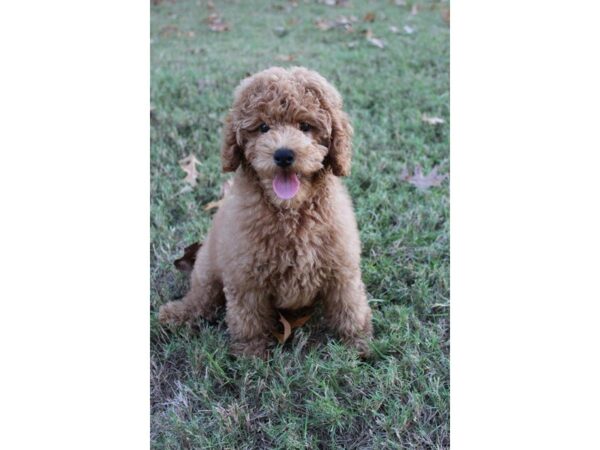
(524, 224)
(75, 236)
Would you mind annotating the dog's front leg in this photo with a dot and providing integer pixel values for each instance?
(347, 311)
(251, 318)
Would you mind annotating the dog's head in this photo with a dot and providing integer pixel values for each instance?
(287, 126)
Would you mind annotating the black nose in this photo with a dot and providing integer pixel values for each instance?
(283, 157)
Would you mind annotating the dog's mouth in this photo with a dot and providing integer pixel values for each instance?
(286, 185)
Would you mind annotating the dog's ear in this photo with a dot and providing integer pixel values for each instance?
(340, 144)
(340, 141)
(231, 152)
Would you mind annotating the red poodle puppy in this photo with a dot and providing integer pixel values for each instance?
(285, 235)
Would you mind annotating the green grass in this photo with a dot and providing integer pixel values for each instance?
(313, 392)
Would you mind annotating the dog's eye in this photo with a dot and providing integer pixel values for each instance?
(264, 128)
(304, 127)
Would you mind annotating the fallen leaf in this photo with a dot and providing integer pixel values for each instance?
(288, 326)
(210, 5)
(212, 205)
(445, 12)
(169, 30)
(287, 330)
(394, 29)
(186, 262)
(286, 58)
(377, 42)
(421, 181)
(369, 17)
(298, 322)
(334, 2)
(217, 23)
(323, 24)
(408, 29)
(188, 165)
(432, 120)
(415, 9)
(340, 22)
(224, 190)
(373, 40)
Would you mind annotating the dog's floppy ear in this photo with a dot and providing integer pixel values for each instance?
(340, 141)
(231, 153)
(340, 145)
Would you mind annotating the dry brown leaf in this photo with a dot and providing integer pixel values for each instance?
(217, 23)
(188, 165)
(186, 262)
(168, 30)
(224, 190)
(299, 321)
(334, 2)
(369, 17)
(323, 24)
(341, 22)
(287, 330)
(431, 120)
(421, 181)
(289, 326)
(445, 12)
(286, 58)
(212, 205)
(373, 40)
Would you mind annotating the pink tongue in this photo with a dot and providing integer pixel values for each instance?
(286, 185)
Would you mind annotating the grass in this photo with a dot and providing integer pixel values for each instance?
(313, 392)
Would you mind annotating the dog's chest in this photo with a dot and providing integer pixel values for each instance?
(292, 262)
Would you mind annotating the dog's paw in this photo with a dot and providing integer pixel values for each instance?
(258, 348)
(361, 344)
(173, 313)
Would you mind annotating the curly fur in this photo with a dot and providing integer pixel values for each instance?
(264, 253)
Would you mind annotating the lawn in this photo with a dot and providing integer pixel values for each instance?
(313, 392)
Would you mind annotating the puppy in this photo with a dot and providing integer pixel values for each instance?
(285, 235)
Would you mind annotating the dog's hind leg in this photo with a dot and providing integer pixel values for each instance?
(202, 300)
